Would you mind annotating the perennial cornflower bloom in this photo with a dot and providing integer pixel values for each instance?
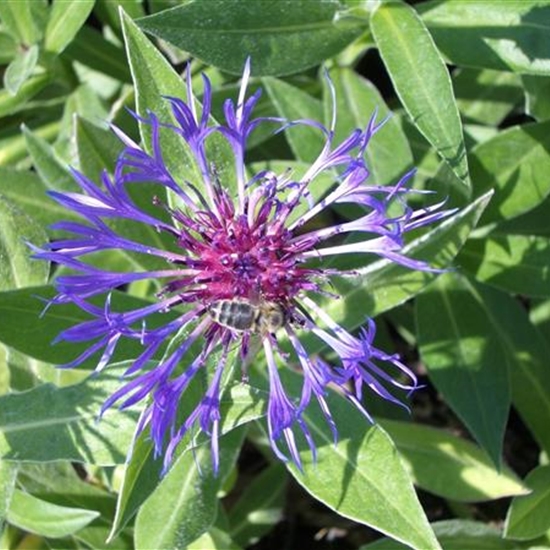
(244, 267)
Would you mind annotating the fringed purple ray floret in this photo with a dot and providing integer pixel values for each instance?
(251, 247)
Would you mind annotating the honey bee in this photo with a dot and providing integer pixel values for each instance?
(242, 315)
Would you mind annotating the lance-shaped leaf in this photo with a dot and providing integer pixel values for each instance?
(50, 423)
(186, 498)
(53, 171)
(486, 97)
(27, 190)
(529, 515)
(154, 79)
(537, 96)
(24, 20)
(422, 82)
(515, 163)
(450, 466)
(17, 268)
(19, 70)
(44, 518)
(515, 263)
(281, 37)
(362, 477)
(506, 36)
(466, 358)
(64, 22)
(500, 324)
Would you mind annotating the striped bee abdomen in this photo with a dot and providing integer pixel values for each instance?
(235, 314)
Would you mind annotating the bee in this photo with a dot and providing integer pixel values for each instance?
(242, 315)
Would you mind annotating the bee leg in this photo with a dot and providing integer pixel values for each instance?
(245, 358)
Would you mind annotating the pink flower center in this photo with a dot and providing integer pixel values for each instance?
(238, 258)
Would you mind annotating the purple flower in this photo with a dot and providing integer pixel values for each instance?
(242, 266)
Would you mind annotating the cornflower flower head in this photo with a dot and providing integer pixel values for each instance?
(244, 266)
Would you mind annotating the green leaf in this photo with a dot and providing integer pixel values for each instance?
(10, 104)
(533, 222)
(8, 474)
(52, 170)
(292, 103)
(27, 190)
(186, 497)
(459, 534)
(27, 373)
(527, 358)
(20, 69)
(476, 134)
(422, 82)
(426, 160)
(529, 354)
(49, 423)
(450, 466)
(25, 326)
(362, 477)
(66, 18)
(529, 515)
(13, 147)
(5, 374)
(539, 316)
(90, 48)
(17, 268)
(85, 103)
(260, 506)
(537, 96)
(154, 78)
(108, 11)
(388, 154)
(383, 284)
(515, 263)
(461, 344)
(65, 484)
(281, 37)
(47, 519)
(214, 539)
(516, 164)
(98, 148)
(505, 36)
(138, 482)
(95, 535)
(486, 97)
(239, 405)
(8, 47)
(59, 483)
(24, 20)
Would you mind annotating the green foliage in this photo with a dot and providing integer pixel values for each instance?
(351, 477)
(268, 32)
(465, 87)
(421, 81)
